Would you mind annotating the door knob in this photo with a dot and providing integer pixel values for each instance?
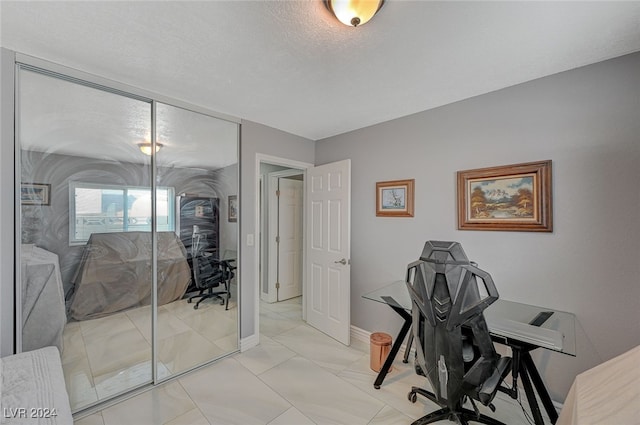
(343, 262)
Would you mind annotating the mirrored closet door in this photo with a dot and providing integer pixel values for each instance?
(127, 215)
(198, 159)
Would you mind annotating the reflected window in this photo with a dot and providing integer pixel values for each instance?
(101, 208)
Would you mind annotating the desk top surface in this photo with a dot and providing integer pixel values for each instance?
(506, 319)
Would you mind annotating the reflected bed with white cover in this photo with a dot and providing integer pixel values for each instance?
(43, 309)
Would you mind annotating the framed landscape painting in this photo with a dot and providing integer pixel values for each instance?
(394, 198)
(511, 197)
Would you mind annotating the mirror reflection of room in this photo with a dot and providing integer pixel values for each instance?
(92, 188)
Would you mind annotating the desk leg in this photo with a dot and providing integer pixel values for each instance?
(396, 346)
(408, 348)
(531, 396)
(542, 390)
(523, 365)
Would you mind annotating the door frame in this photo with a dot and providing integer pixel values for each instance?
(273, 214)
(284, 162)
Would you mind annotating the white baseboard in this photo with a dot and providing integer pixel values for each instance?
(249, 342)
(360, 334)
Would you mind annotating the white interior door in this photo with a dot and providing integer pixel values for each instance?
(289, 283)
(328, 243)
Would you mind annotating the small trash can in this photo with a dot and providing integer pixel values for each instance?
(379, 350)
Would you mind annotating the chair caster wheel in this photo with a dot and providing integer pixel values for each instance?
(222, 302)
(377, 387)
(195, 307)
(189, 301)
(412, 397)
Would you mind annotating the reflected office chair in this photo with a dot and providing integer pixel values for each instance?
(453, 346)
(210, 274)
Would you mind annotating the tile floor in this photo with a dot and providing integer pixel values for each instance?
(296, 376)
(106, 356)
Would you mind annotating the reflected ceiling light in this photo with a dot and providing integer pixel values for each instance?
(146, 147)
(354, 12)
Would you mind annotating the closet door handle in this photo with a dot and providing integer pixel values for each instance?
(343, 262)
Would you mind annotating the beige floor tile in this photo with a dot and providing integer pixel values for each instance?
(390, 416)
(395, 387)
(227, 393)
(117, 352)
(185, 350)
(333, 384)
(95, 419)
(192, 417)
(105, 326)
(168, 323)
(124, 379)
(265, 356)
(320, 395)
(73, 348)
(157, 406)
(211, 324)
(273, 324)
(79, 382)
(292, 417)
(228, 343)
(318, 347)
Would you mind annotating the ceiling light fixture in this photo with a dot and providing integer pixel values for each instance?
(354, 12)
(146, 147)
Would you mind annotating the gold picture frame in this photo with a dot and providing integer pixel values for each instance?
(395, 198)
(510, 197)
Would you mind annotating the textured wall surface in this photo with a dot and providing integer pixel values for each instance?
(588, 122)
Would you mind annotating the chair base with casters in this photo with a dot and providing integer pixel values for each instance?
(210, 275)
(460, 415)
(208, 293)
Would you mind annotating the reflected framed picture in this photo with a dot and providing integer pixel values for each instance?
(395, 198)
(510, 197)
(35, 194)
(233, 208)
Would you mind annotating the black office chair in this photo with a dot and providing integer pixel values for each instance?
(209, 274)
(453, 346)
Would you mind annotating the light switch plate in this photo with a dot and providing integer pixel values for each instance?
(250, 240)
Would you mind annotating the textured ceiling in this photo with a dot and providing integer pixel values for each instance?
(292, 66)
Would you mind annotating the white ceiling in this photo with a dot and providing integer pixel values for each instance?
(292, 66)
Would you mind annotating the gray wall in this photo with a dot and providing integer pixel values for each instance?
(588, 122)
(228, 176)
(257, 138)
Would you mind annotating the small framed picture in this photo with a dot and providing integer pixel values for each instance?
(35, 194)
(394, 198)
(509, 197)
(233, 208)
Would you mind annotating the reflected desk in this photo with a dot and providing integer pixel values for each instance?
(522, 327)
